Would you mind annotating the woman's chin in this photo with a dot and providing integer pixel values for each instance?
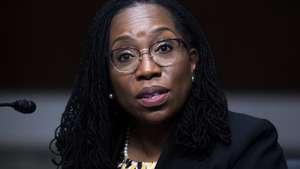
(155, 118)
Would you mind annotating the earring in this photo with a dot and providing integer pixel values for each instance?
(111, 96)
(193, 78)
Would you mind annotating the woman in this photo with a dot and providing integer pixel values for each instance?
(147, 97)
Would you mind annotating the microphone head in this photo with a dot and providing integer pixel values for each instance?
(24, 106)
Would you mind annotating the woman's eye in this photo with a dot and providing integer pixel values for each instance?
(125, 57)
(164, 48)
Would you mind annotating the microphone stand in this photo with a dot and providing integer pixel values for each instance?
(6, 104)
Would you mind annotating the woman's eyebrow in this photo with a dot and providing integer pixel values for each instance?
(161, 29)
(120, 38)
(156, 30)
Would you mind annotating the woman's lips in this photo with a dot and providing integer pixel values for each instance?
(153, 96)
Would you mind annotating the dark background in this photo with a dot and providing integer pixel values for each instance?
(256, 42)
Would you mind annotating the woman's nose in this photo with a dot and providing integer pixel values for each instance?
(147, 68)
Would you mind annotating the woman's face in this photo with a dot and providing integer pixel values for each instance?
(151, 94)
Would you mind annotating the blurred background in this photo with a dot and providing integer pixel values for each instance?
(256, 44)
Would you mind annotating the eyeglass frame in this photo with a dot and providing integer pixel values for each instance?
(142, 51)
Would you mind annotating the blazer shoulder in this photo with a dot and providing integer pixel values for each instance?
(248, 126)
(247, 131)
(254, 144)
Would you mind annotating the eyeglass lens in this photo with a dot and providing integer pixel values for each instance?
(164, 53)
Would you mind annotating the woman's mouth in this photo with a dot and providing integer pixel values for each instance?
(153, 96)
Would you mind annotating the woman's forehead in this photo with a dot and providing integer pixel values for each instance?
(141, 20)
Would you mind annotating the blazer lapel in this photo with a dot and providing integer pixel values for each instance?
(174, 156)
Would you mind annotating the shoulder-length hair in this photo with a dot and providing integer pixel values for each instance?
(90, 125)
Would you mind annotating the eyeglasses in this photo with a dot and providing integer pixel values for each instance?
(163, 53)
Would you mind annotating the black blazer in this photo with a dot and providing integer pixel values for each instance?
(254, 146)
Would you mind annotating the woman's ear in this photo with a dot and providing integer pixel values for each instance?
(193, 56)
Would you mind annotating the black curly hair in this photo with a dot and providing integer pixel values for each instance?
(90, 127)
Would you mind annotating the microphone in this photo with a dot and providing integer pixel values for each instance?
(23, 106)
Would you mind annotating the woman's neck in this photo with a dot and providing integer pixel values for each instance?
(146, 141)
